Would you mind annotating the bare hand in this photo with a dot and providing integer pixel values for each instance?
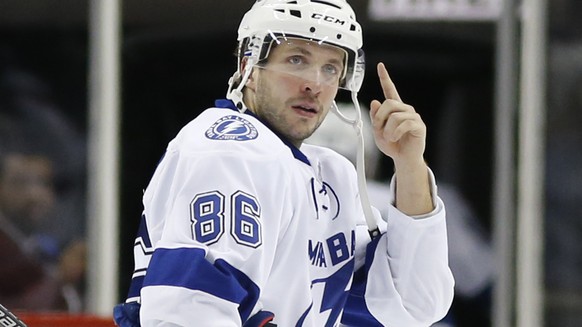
(398, 130)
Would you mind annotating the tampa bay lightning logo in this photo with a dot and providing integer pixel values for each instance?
(232, 128)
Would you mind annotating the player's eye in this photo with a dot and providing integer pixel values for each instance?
(296, 60)
(331, 70)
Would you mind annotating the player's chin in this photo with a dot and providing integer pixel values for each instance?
(300, 133)
(306, 134)
(300, 128)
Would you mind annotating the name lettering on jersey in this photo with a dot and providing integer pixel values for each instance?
(338, 247)
(232, 128)
(317, 254)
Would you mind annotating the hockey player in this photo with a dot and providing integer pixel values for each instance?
(244, 225)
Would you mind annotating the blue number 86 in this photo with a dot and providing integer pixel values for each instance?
(207, 217)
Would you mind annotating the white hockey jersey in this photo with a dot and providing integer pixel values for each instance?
(239, 225)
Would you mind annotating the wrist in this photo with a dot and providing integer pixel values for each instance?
(413, 195)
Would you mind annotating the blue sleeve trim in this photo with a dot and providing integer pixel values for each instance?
(135, 287)
(356, 311)
(189, 268)
(142, 241)
(143, 233)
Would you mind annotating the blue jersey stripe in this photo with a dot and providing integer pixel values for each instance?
(135, 287)
(356, 311)
(143, 233)
(188, 268)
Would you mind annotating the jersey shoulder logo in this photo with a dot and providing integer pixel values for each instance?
(233, 128)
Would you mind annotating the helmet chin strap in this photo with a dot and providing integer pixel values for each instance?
(236, 95)
(357, 124)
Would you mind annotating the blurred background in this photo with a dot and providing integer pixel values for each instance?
(465, 65)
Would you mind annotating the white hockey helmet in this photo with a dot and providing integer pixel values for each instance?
(331, 22)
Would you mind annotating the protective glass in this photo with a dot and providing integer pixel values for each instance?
(316, 62)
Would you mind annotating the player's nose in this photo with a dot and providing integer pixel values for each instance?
(312, 86)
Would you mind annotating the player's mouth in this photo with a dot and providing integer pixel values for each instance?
(305, 109)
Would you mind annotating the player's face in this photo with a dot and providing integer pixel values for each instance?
(26, 190)
(294, 90)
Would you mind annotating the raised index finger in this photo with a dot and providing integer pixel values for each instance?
(388, 86)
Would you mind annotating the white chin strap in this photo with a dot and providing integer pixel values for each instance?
(357, 124)
(236, 95)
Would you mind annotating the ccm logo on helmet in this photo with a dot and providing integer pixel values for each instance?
(327, 18)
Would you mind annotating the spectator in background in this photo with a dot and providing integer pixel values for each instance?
(30, 116)
(34, 275)
(41, 199)
(470, 253)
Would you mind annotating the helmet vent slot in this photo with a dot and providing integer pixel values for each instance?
(295, 13)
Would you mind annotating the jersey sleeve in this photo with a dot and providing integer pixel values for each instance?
(405, 280)
(217, 225)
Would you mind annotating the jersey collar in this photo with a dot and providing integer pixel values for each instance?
(225, 103)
